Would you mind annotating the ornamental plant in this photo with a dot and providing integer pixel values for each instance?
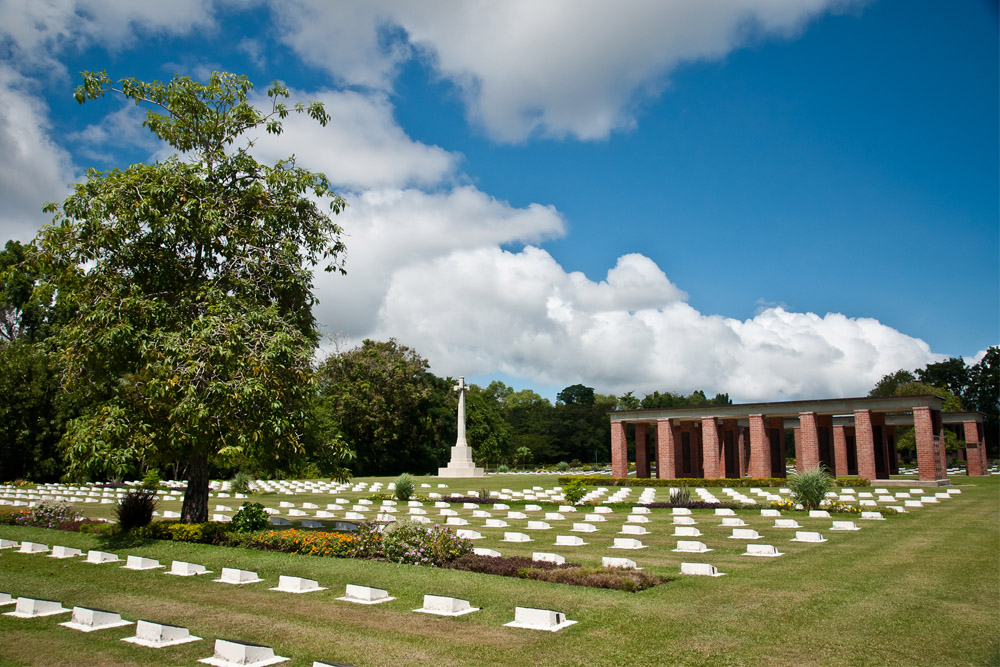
(416, 544)
(809, 488)
(135, 509)
(405, 487)
(574, 491)
(250, 517)
(48, 515)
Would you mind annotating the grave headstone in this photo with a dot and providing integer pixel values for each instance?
(627, 543)
(98, 557)
(35, 608)
(88, 620)
(545, 557)
(288, 584)
(482, 551)
(139, 563)
(844, 525)
(569, 541)
(233, 654)
(744, 534)
(515, 537)
(365, 595)
(700, 570)
(440, 605)
(623, 563)
(819, 514)
(686, 531)
(808, 536)
(762, 550)
(691, 547)
(32, 548)
(65, 552)
(231, 575)
(182, 569)
(539, 619)
(468, 534)
(786, 523)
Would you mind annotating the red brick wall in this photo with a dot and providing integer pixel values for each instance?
(778, 424)
(975, 449)
(839, 451)
(667, 449)
(641, 450)
(710, 446)
(619, 451)
(930, 445)
(806, 443)
(864, 440)
(760, 448)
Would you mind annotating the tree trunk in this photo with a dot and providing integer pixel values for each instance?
(195, 508)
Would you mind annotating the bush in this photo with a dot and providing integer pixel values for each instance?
(100, 528)
(574, 491)
(562, 466)
(809, 488)
(503, 467)
(504, 566)
(310, 543)
(135, 509)
(47, 514)
(619, 579)
(152, 479)
(680, 496)
(405, 487)
(241, 482)
(416, 544)
(249, 518)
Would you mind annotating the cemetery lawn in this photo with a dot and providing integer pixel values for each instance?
(917, 589)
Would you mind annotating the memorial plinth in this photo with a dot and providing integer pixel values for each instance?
(461, 463)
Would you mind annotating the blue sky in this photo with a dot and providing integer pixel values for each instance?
(776, 200)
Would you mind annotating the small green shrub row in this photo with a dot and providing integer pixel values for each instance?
(573, 574)
(599, 480)
(211, 532)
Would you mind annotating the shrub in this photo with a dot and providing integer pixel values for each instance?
(809, 487)
(100, 528)
(241, 482)
(152, 479)
(562, 466)
(135, 509)
(680, 496)
(405, 487)
(250, 517)
(505, 566)
(574, 491)
(615, 578)
(310, 543)
(416, 544)
(503, 467)
(47, 514)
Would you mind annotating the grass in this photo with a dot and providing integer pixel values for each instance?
(917, 589)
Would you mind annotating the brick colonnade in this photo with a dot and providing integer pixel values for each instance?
(931, 462)
(975, 448)
(641, 450)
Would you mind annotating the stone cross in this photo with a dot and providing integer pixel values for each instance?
(461, 388)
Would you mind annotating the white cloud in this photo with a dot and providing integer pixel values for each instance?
(483, 310)
(555, 68)
(361, 147)
(34, 170)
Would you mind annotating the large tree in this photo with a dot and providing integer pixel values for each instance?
(190, 281)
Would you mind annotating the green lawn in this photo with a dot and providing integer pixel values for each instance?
(923, 588)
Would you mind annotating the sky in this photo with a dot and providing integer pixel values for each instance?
(772, 199)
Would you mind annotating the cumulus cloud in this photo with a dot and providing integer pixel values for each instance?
(559, 68)
(484, 310)
(34, 170)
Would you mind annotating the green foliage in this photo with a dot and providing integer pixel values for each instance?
(562, 466)
(152, 479)
(190, 286)
(47, 514)
(250, 517)
(681, 496)
(405, 486)
(309, 543)
(574, 490)
(503, 468)
(619, 579)
(809, 487)
(241, 482)
(135, 509)
(890, 382)
(413, 543)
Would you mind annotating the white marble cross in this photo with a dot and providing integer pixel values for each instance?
(461, 388)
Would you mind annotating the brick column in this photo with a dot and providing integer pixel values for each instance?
(778, 424)
(710, 448)
(619, 451)
(975, 449)
(864, 441)
(806, 443)
(760, 448)
(641, 451)
(890, 434)
(839, 451)
(931, 464)
(668, 457)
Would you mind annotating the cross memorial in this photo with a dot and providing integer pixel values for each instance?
(461, 464)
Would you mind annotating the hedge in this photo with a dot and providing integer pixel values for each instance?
(597, 480)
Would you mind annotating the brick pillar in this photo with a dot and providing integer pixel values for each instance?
(778, 424)
(931, 464)
(839, 451)
(641, 451)
(760, 448)
(890, 434)
(864, 441)
(668, 445)
(806, 443)
(710, 445)
(619, 451)
(975, 449)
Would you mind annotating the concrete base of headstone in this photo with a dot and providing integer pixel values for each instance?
(445, 606)
(627, 543)
(872, 516)
(461, 464)
(33, 608)
(700, 570)
(181, 569)
(622, 563)
(89, 620)
(159, 635)
(686, 531)
(365, 595)
(296, 585)
(233, 576)
(844, 525)
(786, 523)
(139, 563)
(496, 523)
(569, 541)
(690, 547)
(32, 548)
(539, 619)
(233, 654)
(8, 544)
(807, 536)
(744, 534)
(6, 599)
(762, 550)
(65, 552)
(99, 557)
(515, 537)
